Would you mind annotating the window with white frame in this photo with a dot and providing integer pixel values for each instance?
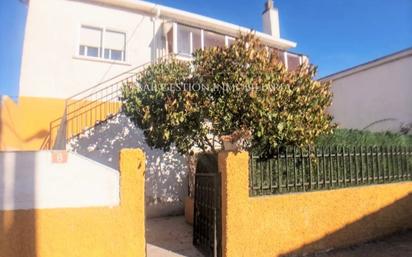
(90, 41)
(100, 43)
(189, 39)
(184, 40)
(114, 45)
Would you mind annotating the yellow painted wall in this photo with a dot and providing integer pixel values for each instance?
(305, 222)
(81, 232)
(32, 123)
(25, 124)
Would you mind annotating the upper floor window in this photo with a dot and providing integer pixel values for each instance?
(101, 43)
(114, 45)
(213, 39)
(90, 41)
(293, 61)
(189, 39)
(184, 40)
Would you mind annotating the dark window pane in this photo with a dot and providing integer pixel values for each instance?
(214, 39)
(197, 39)
(92, 51)
(116, 55)
(293, 62)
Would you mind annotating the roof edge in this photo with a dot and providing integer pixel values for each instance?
(369, 65)
(195, 19)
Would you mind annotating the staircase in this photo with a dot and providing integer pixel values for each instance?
(93, 127)
(92, 106)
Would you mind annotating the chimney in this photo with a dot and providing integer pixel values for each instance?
(271, 20)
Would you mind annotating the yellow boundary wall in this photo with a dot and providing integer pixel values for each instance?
(299, 223)
(32, 123)
(80, 232)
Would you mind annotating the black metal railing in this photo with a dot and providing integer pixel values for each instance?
(310, 169)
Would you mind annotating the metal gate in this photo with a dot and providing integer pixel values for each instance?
(207, 214)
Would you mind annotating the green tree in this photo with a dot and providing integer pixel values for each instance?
(242, 90)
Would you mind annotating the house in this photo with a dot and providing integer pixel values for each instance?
(76, 56)
(375, 95)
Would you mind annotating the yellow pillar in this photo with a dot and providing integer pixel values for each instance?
(234, 167)
(132, 200)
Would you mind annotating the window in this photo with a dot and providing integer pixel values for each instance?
(196, 39)
(213, 39)
(189, 39)
(90, 41)
(293, 61)
(183, 43)
(93, 40)
(114, 45)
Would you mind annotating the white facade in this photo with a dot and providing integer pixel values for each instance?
(376, 95)
(52, 62)
(39, 180)
(72, 45)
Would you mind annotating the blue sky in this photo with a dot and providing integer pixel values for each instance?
(335, 34)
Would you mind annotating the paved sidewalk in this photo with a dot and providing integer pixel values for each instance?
(399, 245)
(170, 237)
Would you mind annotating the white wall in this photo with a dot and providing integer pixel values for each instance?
(51, 66)
(166, 172)
(31, 180)
(379, 98)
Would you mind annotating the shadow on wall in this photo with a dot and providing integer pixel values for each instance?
(24, 124)
(14, 238)
(166, 172)
(364, 228)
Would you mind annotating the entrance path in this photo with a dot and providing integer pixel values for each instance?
(170, 237)
(399, 245)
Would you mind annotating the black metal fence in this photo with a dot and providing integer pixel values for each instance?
(310, 169)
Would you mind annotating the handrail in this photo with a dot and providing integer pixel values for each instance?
(119, 75)
(95, 104)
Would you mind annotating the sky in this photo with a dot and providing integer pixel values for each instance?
(334, 34)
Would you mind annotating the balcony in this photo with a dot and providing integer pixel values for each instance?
(183, 40)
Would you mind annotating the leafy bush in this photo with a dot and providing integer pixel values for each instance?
(353, 137)
(239, 90)
(157, 106)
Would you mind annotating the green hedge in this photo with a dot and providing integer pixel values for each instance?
(352, 137)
